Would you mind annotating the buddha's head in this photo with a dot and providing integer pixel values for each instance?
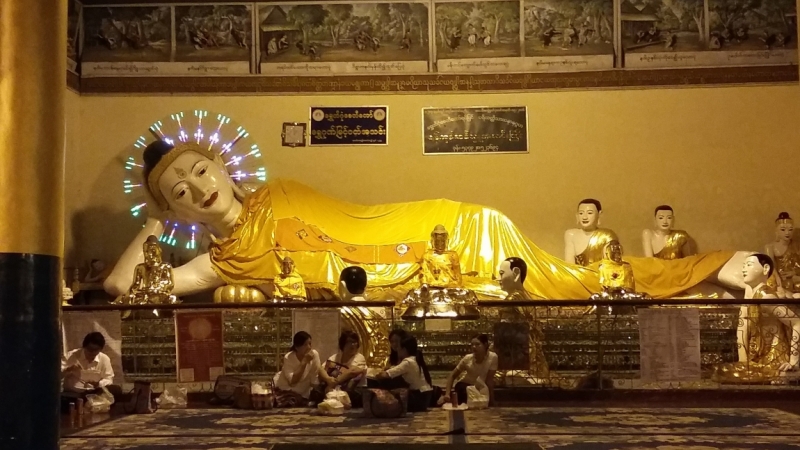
(287, 266)
(152, 251)
(757, 269)
(352, 281)
(512, 273)
(664, 218)
(784, 228)
(588, 215)
(439, 238)
(189, 180)
(613, 251)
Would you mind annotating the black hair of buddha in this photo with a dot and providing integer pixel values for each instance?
(663, 208)
(765, 260)
(153, 153)
(519, 263)
(783, 216)
(591, 201)
(355, 279)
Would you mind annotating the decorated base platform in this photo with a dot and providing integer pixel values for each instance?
(498, 428)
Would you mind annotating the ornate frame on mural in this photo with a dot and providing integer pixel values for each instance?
(289, 134)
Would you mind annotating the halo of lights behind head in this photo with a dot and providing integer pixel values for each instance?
(240, 154)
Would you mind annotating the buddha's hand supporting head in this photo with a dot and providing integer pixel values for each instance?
(588, 215)
(189, 181)
(757, 269)
(664, 218)
(439, 238)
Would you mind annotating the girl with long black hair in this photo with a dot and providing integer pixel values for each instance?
(413, 370)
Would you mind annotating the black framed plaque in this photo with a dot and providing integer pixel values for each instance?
(475, 130)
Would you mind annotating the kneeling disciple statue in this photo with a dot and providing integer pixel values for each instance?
(152, 279)
(289, 284)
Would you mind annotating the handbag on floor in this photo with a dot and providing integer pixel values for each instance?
(141, 401)
(380, 403)
(225, 388)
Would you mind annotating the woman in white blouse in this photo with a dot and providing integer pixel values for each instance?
(413, 370)
(300, 372)
(481, 363)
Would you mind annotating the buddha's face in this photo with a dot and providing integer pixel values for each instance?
(508, 279)
(614, 252)
(197, 189)
(152, 253)
(588, 216)
(287, 266)
(753, 271)
(784, 231)
(664, 220)
(439, 241)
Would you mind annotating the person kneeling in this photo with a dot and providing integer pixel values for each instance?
(481, 363)
(413, 370)
(87, 370)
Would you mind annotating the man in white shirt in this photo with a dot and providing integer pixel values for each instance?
(87, 369)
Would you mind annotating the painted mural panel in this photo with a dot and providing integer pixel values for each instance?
(73, 34)
(569, 35)
(214, 38)
(336, 38)
(127, 40)
(478, 36)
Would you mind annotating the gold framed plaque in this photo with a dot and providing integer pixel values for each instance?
(294, 134)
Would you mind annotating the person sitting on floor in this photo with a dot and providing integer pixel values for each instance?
(481, 363)
(412, 370)
(300, 372)
(87, 370)
(347, 368)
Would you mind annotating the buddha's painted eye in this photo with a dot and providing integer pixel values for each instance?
(202, 171)
(181, 193)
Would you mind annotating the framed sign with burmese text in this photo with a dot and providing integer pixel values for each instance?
(475, 130)
(347, 125)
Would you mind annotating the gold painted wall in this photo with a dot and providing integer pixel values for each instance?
(72, 161)
(726, 158)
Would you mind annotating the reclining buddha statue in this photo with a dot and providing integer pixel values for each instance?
(254, 232)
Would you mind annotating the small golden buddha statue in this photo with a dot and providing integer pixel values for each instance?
(440, 293)
(289, 284)
(440, 267)
(152, 279)
(585, 245)
(616, 274)
(786, 255)
(671, 244)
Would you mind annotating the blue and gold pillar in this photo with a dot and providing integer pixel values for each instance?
(32, 138)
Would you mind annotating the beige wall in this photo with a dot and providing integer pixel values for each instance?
(726, 158)
(72, 160)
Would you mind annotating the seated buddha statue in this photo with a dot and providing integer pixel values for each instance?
(663, 242)
(152, 279)
(768, 334)
(252, 231)
(289, 284)
(585, 245)
(440, 267)
(616, 278)
(786, 254)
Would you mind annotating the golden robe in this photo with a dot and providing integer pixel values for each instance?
(441, 269)
(596, 247)
(673, 247)
(323, 236)
(289, 285)
(614, 275)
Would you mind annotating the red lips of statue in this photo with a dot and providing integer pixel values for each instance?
(211, 200)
